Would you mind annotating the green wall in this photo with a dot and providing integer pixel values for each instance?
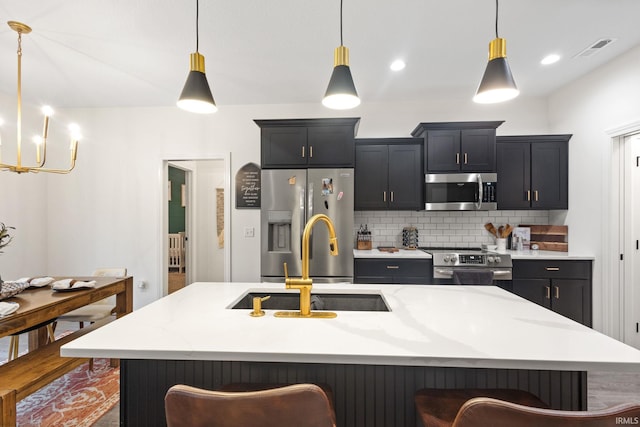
(176, 211)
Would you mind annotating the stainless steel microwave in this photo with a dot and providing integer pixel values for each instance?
(461, 192)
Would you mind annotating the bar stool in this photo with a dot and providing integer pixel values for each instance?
(14, 341)
(439, 407)
(487, 412)
(300, 405)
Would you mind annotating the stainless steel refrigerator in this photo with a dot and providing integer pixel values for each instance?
(289, 198)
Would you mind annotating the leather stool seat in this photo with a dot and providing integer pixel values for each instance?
(266, 386)
(439, 407)
(299, 405)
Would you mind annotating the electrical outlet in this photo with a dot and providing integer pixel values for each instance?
(142, 284)
(249, 232)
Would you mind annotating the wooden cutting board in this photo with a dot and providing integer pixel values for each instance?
(550, 237)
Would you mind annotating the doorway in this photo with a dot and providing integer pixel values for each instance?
(630, 239)
(204, 201)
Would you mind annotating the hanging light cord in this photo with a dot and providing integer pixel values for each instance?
(197, 19)
(341, 44)
(496, 18)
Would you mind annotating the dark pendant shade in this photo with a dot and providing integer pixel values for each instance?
(196, 95)
(497, 83)
(341, 93)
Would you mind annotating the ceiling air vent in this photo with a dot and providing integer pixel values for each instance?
(595, 48)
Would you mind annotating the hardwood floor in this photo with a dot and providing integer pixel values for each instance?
(176, 281)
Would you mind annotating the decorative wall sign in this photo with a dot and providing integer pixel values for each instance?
(248, 184)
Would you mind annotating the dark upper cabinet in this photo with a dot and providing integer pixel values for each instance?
(533, 172)
(452, 147)
(388, 174)
(307, 143)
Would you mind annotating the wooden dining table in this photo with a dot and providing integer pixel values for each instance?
(39, 305)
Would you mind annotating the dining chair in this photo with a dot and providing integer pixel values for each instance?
(300, 405)
(14, 340)
(98, 310)
(487, 412)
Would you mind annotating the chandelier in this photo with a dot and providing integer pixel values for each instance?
(41, 141)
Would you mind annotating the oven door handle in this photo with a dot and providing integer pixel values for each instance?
(449, 272)
(501, 272)
(444, 272)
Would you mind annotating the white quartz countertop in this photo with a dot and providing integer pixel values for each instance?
(458, 326)
(524, 255)
(402, 253)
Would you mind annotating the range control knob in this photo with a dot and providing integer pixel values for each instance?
(454, 258)
(446, 258)
(497, 259)
(489, 259)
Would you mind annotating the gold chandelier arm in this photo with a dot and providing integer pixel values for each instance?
(41, 149)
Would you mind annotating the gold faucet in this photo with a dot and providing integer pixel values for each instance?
(305, 283)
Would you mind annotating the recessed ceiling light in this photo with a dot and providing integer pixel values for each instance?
(397, 65)
(550, 59)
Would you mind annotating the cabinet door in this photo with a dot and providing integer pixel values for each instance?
(330, 146)
(284, 147)
(569, 299)
(442, 152)
(549, 175)
(514, 175)
(478, 150)
(405, 177)
(534, 290)
(371, 178)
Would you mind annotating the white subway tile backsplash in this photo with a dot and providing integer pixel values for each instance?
(459, 228)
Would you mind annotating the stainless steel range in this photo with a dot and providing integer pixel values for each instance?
(446, 261)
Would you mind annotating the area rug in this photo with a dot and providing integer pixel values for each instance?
(77, 399)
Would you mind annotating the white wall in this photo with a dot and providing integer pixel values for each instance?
(108, 210)
(606, 98)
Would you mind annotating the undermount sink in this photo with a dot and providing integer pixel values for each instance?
(319, 301)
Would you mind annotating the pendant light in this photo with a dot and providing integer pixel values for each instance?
(341, 93)
(497, 84)
(196, 96)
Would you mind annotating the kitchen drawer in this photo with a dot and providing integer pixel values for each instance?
(550, 269)
(398, 270)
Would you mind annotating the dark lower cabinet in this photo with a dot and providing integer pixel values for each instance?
(562, 286)
(393, 271)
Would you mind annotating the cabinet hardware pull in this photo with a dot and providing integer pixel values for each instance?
(548, 292)
(528, 195)
(303, 151)
(557, 292)
(552, 268)
(311, 151)
(465, 158)
(392, 267)
(384, 196)
(536, 195)
(457, 158)
(391, 196)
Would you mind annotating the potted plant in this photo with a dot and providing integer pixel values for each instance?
(5, 237)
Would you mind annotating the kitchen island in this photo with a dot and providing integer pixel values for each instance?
(433, 336)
